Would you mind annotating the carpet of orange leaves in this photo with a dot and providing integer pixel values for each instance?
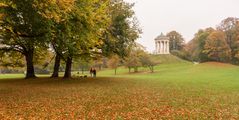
(109, 98)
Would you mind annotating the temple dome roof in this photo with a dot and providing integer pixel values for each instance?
(162, 37)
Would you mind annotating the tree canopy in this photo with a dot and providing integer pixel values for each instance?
(72, 29)
(220, 44)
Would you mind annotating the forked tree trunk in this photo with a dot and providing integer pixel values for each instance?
(68, 68)
(151, 68)
(55, 73)
(30, 67)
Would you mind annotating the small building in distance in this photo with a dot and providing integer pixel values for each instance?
(162, 44)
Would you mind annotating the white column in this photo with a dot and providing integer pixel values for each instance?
(164, 47)
(161, 47)
(168, 48)
(156, 48)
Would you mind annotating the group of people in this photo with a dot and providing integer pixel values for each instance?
(92, 72)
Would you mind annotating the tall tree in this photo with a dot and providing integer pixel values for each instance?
(59, 14)
(83, 30)
(23, 29)
(176, 41)
(114, 62)
(102, 35)
(217, 48)
(134, 58)
(147, 61)
(123, 30)
(230, 27)
(76, 29)
(237, 43)
(196, 47)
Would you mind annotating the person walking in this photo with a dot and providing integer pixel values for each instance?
(91, 72)
(94, 72)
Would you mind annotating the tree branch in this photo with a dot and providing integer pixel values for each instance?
(11, 48)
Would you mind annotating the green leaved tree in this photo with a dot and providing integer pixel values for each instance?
(23, 29)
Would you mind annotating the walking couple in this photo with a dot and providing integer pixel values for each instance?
(92, 72)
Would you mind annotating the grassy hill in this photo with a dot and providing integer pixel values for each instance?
(165, 62)
(167, 59)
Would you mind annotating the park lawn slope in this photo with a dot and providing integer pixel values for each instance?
(168, 58)
(174, 91)
(164, 62)
(211, 73)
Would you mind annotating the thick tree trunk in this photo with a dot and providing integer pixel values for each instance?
(55, 73)
(100, 67)
(30, 67)
(115, 70)
(129, 69)
(135, 69)
(68, 68)
(82, 70)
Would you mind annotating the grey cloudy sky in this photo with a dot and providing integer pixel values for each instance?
(184, 16)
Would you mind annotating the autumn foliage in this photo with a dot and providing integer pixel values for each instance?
(216, 47)
(220, 44)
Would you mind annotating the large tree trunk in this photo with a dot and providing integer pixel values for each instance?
(82, 70)
(68, 68)
(55, 73)
(135, 69)
(100, 67)
(30, 67)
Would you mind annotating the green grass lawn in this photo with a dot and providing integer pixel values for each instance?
(11, 76)
(177, 90)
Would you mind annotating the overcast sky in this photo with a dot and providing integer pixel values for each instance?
(184, 16)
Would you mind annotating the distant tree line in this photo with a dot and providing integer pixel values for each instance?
(219, 44)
